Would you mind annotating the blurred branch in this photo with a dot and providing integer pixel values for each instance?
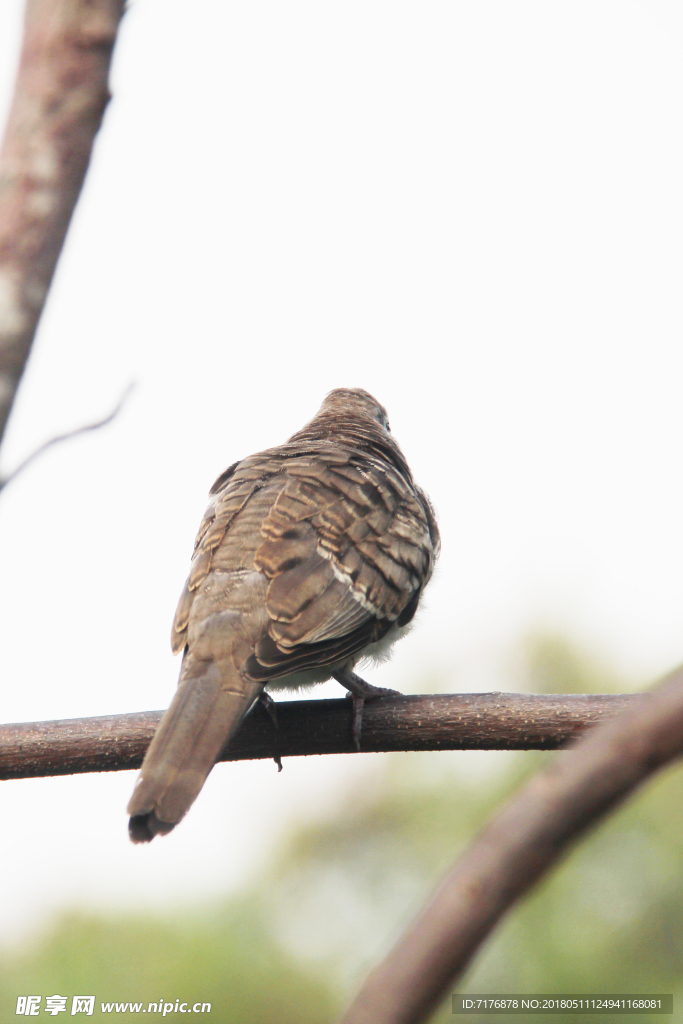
(59, 99)
(468, 721)
(512, 852)
(67, 437)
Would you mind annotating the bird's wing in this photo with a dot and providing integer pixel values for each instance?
(347, 551)
(230, 493)
(344, 544)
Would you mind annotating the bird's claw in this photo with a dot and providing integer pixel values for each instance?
(359, 692)
(269, 704)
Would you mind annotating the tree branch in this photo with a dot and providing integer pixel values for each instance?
(67, 437)
(60, 96)
(512, 852)
(468, 721)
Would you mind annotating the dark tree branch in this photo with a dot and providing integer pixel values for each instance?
(479, 721)
(67, 437)
(512, 852)
(60, 96)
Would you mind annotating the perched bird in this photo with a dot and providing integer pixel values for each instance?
(309, 557)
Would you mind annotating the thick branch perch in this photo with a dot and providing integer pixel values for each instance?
(60, 96)
(518, 846)
(468, 721)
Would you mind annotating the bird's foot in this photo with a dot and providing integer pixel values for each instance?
(269, 704)
(359, 692)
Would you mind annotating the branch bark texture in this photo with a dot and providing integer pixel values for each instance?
(468, 721)
(518, 846)
(60, 96)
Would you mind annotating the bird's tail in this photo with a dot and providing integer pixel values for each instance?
(205, 713)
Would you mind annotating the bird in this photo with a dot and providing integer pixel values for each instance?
(310, 557)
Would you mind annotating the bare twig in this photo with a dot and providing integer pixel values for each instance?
(436, 722)
(67, 437)
(515, 849)
(60, 96)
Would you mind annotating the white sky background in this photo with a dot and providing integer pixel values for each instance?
(473, 210)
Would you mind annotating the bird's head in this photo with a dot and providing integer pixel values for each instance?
(353, 418)
(351, 403)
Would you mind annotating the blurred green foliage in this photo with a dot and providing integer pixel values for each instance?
(228, 959)
(609, 920)
(553, 664)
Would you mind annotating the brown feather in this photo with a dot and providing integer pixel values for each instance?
(182, 617)
(292, 592)
(203, 716)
